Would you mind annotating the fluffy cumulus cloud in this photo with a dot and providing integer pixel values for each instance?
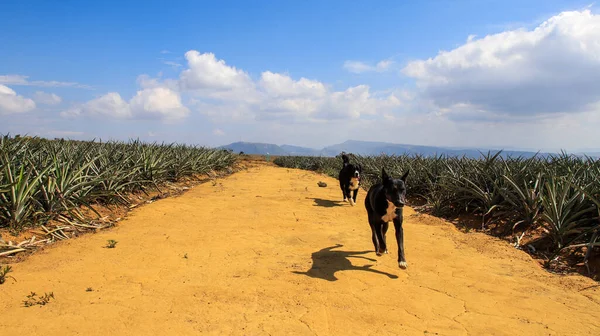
(207, 72)
(221, 90)
(109, 105)
(312, 101)
(286, 98)
(355, 102)
(158, 103)
(12, 103)
(282, 86)
(552, 69)
(150, 103)
(225, 93)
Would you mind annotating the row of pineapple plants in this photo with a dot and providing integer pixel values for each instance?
(42, 180)
(558, 195)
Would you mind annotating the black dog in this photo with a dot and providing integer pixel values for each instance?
(349, 180)
(384, 203)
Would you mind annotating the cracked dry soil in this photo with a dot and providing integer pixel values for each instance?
(268, 252)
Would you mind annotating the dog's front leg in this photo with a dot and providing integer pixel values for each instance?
(374, 238)
(400, 240)
(384, 228)
(373, 223)
(354, 194)
(380, 238)
(350, 199)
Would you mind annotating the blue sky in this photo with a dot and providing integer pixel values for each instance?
(335, 45)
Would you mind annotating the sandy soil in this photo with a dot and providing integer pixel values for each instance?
(266, 251)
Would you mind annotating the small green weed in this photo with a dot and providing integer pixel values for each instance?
(33, 299)
(3, 274)
(111, 243)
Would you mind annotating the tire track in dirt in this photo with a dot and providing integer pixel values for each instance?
(267, 252)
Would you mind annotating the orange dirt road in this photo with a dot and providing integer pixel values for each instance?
(267, 252)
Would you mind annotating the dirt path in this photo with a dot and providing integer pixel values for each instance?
(266, 251)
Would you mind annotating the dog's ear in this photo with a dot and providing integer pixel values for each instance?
(384, 176)
(403, 178)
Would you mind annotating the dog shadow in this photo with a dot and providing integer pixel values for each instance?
(325, 203)
(327, 262)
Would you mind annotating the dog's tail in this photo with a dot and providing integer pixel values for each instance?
(345, 159)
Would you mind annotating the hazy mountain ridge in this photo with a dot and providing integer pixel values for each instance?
(370, 148)
(255, 148)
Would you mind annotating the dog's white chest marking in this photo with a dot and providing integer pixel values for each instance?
(390, 213)
(353, 183)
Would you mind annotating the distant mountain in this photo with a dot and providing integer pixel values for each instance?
(255, 148)
(591, 153)
(301, 151)
(376, 148)
(369, 148)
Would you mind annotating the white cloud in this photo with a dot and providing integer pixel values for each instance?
(360, 67)
(12, 103)
(207, 72)
(147, 82)
(554, 68)
(351, 103)
(226, 93)
(23, 80)
(218, 132)
(158, 103)
(356, 66)
(278, 85)
(110, 105)
(151, 103)
(47, 98)
(355, 102)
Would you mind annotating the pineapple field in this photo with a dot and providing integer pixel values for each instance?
(63, 182)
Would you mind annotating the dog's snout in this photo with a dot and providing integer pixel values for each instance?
(356, 174)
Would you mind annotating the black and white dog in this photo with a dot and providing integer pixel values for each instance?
(349, 180)
(384, 203)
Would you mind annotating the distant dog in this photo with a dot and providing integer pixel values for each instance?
(349, 180)
(384, 203)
